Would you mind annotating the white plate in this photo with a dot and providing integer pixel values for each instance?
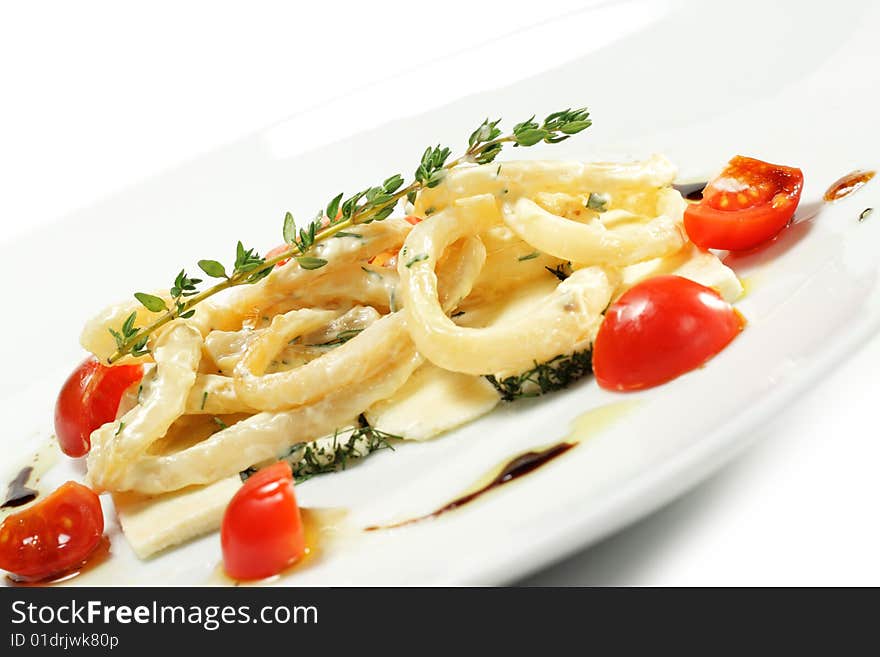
(798, 85)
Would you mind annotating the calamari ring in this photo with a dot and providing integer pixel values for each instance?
(117, 445)
(556, 324)
(267, 435)
(343, 367)
(594, 243)
(214, 394)
(512, 180)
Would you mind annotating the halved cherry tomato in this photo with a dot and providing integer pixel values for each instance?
(262, 530)
(89, 398)
(659, 329)
(52, 536)
(749, 203)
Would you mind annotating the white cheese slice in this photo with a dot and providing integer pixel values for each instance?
(432, 401)
(154, 523)
(691, 262)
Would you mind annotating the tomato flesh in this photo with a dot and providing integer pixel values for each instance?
(748, 204)
(659, 329)
(52, 536)
(88, 399)
(262, 531)
(277, 251)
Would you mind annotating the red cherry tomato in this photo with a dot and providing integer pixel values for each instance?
(660, 329)
(412, 219)
(749, 203)
(52, 536)
(277, 251)
(262, 530)
(89, 398)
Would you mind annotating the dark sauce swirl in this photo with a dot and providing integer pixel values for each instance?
(18, 492)
(515, 468)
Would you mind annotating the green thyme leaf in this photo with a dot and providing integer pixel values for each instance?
(213, 268)
(288, 230)
(415, 259)
(333, 207)
(150, 302)
(307, 262)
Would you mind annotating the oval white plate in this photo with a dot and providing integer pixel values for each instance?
(698, 83)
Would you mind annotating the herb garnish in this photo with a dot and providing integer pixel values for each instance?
(415, 259)
(561, 271)
(322, 457)
(529, 256)
(555, 374)
(341, 338)
(596, 202)
(371, 204)
(865, 214)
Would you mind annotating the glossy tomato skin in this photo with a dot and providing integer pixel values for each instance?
(52, 536)
(88, 399)
(262, 531)
(747, 205)
(659, 329)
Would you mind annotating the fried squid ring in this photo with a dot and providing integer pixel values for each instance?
(340, 253)
(630, 242)
(459, 270)
(512, 180)
(116, 445)
(214, 394)
(347, 365)
(267, 435)
(555, 326)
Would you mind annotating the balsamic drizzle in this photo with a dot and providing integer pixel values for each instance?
(691, 191)
(848, 184)
(515, 468)
(18, 492)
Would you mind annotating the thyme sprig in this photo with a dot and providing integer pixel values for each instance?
(555, 374)
(371, 204)
(325, 456)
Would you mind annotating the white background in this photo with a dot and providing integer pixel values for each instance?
(98, 96)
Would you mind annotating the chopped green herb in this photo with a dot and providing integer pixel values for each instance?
(529, 256)
(555, 374)
(119, 428)
(204, 399)
(333, 454)
(415, 259)
(865, 214)
(561, 272)
(341, 338)
(597, 202)
(220, 423)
